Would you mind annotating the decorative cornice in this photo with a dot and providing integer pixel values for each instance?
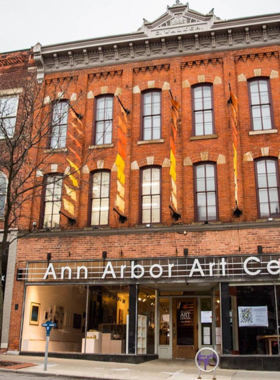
(260, 56)
(179, 32)
(13, 60)
(61, 80)
(150, 69)
(105, 75)
(199, 62)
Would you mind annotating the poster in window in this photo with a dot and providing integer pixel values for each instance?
(34, 313)
(251, 316)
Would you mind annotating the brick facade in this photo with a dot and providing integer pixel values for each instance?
(229, 235)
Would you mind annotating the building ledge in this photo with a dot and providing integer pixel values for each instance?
(144, 142)
(204, 137)
(263, 132)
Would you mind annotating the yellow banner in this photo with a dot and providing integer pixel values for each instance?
(174, 201)
(120, 203)
(120, 162)
(121, 176)
(71, 193)
(172, 172)
(69, 207)
(75, 167)
(120, 189)
(174, 186)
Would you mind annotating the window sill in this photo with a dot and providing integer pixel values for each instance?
(101, 146)
(143, 142)
(263, 132)
(205, 137)
(58, 150)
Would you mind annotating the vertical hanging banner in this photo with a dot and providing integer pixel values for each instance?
(173, 137)
(120, 159)
(233, 102)
(74, 159)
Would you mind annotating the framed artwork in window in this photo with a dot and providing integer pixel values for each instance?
(34, 313)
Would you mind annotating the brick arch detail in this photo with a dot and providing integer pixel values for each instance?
(194, 81)
(143, 85)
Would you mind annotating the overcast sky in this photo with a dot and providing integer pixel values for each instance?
(23, 23)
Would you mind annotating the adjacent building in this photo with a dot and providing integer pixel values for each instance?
(156, 228)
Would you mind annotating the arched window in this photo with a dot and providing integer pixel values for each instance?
(203, 115)
(261, 104)
(267, 185)
(206, 200)
(151, 115)
(52, 201)
(103, 120)
(3, 193)
(100, 198)
(151, 195)
(59, 124)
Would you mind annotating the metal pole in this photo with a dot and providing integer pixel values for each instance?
(46, 353)
(277, 316)
(86, 321)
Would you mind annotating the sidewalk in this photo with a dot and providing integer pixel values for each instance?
(153, 370)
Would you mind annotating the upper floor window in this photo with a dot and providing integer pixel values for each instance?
(3, 193)
(104, 120)
(203, 123)
(151, 195)
(52, 201)
(59, 125)
(261, 106)
(8, 113)
(100, 198)
(206, 204)
(267, 182)
(151, 119)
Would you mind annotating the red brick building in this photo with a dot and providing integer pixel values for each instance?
(15, 69)
(164, 237)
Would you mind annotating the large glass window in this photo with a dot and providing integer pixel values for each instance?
(151, 195)
(59, 125)
(261, 107)
(104, 120)
(3, 193)
(52, 201)
(267, 178)
(151, 122)
(254, 323)
(205, 192)
(203, 110)
(8, 113)
(100, 198)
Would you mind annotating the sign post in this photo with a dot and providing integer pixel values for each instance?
(48, 325)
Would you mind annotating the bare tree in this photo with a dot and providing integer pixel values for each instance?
(32, 129)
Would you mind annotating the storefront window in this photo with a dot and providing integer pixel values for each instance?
(254, 322)
(146, 321)
(99, 328)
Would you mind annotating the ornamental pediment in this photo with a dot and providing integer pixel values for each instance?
(179, 19)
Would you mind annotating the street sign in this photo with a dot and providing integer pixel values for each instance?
(48, 326)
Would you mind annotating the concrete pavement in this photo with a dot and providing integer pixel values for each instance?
(153, 370)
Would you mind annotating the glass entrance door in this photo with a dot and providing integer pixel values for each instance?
(185, 332)
(165, 330)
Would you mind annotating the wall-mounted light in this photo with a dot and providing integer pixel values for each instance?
(186, 251)
(175, 215)
(260, 249)
(49, 257)
(122, 218)
(104, 255)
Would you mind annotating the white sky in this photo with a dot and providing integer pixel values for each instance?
(23, 23)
